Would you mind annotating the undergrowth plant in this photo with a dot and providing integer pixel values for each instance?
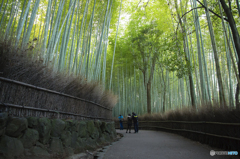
(17, 65)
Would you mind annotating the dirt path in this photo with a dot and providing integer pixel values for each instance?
(158, 145)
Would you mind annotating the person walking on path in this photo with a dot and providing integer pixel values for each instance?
(129, 122)
(135, 121)
(120, 121)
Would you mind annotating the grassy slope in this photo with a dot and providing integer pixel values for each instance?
(16, 64)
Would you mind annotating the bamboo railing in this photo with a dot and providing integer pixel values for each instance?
(203, 129)
(22, 99)
(229, 131)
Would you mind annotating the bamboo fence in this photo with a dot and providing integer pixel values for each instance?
(22, 99)
(216, 134)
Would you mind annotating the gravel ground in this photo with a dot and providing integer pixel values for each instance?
(158, 145)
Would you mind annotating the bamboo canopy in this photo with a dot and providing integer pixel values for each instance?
(155, 56)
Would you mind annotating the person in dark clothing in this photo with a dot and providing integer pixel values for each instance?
(129, 122)
(135, 121)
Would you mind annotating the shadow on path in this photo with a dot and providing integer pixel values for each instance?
(158, 145)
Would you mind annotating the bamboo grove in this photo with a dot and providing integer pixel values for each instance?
(156, 55)
(178, 54)
(71, 36)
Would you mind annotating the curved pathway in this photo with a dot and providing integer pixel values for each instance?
(158, 145)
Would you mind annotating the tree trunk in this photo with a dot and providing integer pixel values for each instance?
(149, 97)
(236, 40)
(219, 76)
(237, 97)
(164, 99)
(164, 91)
(187, 59)
(192, 92)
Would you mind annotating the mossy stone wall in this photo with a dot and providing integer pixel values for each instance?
(50, 138)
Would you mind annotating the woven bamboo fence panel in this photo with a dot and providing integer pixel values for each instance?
(22, 99)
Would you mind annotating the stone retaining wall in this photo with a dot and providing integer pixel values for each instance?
(34, 137)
